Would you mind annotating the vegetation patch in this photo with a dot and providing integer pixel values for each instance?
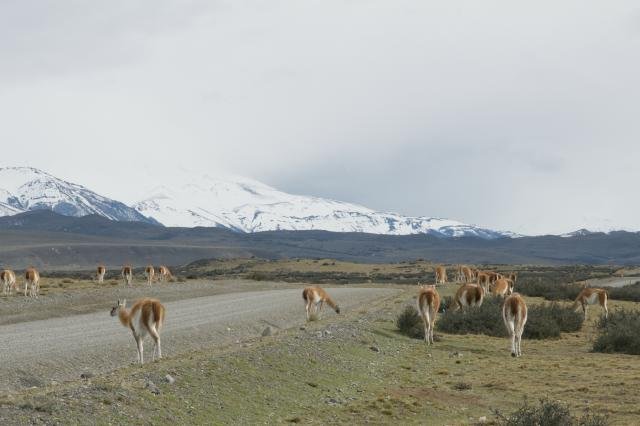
(549, 290)
(628, 292)
(544, 321)
(619, 333)
(548, 413)
(410, 324)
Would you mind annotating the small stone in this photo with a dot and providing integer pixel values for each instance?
(86, 375)
(482, 420)
(374, 348)
(327, 333)
(303, 328)
(318, 333)
(267, 332)
(169, 379)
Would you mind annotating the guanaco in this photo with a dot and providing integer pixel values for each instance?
(468, 295)
(8, 279)
(127, 274)
(503, 287)
(441, 274)
(32, 282)
(592, 296)
(100, 272)
(514, 314)
(150, 273)
(428, 306)
(315, 298)
(164, 273)
(145, 316)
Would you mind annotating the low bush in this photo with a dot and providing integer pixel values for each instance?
(410, 324)
(549, 290)
(487, 319)
(544, 321)
(619, 333)
(628, 292)
(548, 413)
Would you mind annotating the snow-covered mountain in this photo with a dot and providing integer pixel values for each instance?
(233, 202)
(579, 233)
(25, 188)
(250, 206)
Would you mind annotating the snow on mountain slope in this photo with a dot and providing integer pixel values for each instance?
(250, 206)
(26, 188)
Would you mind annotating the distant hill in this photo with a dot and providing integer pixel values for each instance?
(48, 240)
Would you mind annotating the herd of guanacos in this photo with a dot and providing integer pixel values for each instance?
(146, 316)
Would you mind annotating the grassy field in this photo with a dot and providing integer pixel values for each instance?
(353, 368)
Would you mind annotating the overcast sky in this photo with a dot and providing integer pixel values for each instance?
(511, 115)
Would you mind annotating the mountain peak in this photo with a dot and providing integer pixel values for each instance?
(27, 188)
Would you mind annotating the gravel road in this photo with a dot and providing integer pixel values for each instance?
(35, 353)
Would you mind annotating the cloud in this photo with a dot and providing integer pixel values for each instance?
(512, 116)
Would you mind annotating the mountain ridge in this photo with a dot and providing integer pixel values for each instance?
(26, 189)
(236, 203)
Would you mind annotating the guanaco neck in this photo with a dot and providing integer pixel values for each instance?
(125, 316)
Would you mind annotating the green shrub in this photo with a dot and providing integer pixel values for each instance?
(548, 413)
(550, 290)
(486, 319)
(619, 333)
(544, 321)
(628, 292)
(410, 323)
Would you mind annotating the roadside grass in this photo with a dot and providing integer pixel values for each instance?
(362, 371)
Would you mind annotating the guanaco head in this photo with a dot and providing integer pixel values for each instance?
(119, 305)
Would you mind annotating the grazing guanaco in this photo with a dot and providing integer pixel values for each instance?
(31, 282)
(468, 295)
(8, 279)
(428, 306)
(514, 314)
(441, 274)
(459, 273)
(468, 274)
(503, 287)
(164, 273)
(100, 272)
(493, 277)
(483, 280)
(146, 316)
(592, 296)
(150, 273)
(127, 274)
(315, 298)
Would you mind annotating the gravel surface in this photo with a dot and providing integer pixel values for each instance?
(35, 353)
